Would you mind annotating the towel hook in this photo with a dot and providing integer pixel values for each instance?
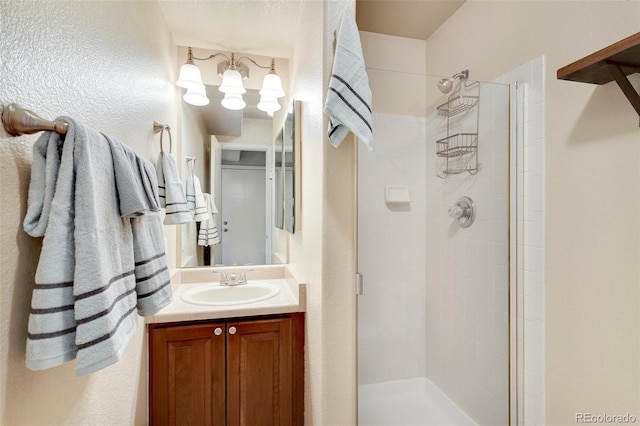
(160, 128)
(192, 161)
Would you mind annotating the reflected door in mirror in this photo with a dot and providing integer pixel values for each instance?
(243, 232)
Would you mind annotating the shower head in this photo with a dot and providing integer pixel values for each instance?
(446, 84)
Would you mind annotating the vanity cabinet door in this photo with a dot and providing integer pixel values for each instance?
(246, 372)
(187, 375)
(260, 374)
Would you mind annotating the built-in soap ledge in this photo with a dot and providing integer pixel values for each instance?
(396, 194)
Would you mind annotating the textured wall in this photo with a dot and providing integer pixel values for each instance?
(592, 184)
(110, 65)
(322, 249)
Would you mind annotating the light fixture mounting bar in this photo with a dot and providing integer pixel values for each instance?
(272, 66)
(241, 68)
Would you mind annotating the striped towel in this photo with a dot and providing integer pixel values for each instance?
(172, 196)
(86, 292)
(348, 101)
(153, 284)
(208, 234)
(190, 190)
(201, 206)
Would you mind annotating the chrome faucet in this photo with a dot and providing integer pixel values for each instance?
(233, 277)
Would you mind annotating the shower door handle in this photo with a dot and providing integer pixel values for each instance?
(359, 284)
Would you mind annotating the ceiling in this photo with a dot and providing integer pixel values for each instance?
(258, 27)
(416, 19)
(269, 28)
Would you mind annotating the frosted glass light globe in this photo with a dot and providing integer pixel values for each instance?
(196, 96)
(232, 83)
(233, 101)
(189, 77)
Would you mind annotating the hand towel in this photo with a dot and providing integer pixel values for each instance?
(190, 189)
(208, 234)
(84, 299)
(348, 101)
(153, 284)
(172, 196)
(201, 206)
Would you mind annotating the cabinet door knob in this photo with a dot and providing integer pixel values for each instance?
(232, 330)
(217, 331)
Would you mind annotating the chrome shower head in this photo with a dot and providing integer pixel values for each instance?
(446, 84)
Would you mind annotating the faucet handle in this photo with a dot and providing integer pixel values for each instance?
(223, 276)
(243, 275)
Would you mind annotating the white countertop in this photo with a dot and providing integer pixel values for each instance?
(289, 299)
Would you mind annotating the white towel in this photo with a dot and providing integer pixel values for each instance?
(201, 206)
(85, 296)
(348, 101)
(172, 196)
(190, 190)
(208, 234)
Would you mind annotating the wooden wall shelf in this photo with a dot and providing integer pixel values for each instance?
(613, 63)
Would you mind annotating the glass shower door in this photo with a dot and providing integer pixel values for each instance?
(433, 320)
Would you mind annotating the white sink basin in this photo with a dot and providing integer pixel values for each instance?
(222, 295)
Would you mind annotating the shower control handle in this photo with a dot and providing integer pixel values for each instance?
(456, 211)
(464, 211)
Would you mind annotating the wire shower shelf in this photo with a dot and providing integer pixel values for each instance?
(457, 145)
(457, 105)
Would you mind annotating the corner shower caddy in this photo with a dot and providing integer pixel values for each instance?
(461, 145)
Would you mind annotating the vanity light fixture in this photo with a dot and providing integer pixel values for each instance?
(233, 72)
(196, 96)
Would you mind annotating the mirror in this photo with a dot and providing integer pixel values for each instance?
(284, 176)
(234, 161)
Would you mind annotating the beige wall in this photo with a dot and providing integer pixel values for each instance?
(321, 251)
(592, 236)
(110, 65)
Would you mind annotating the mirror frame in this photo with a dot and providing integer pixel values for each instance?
(278, 179)
(290, 135)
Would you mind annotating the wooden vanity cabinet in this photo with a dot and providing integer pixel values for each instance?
(233, 372)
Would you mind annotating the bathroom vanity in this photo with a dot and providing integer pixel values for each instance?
(240, 364)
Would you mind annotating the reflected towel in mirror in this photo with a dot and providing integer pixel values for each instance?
(172, 196)
(208, 234)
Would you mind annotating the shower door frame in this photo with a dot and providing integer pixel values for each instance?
(515, 322)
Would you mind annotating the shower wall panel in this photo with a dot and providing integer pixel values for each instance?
(391, 313)
(468, 269)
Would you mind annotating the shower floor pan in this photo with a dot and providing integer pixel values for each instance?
(406, 403)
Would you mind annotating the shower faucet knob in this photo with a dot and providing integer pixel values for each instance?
(464, 211)
(456, 211)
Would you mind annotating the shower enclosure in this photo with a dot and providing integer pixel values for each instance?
(434, 212)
